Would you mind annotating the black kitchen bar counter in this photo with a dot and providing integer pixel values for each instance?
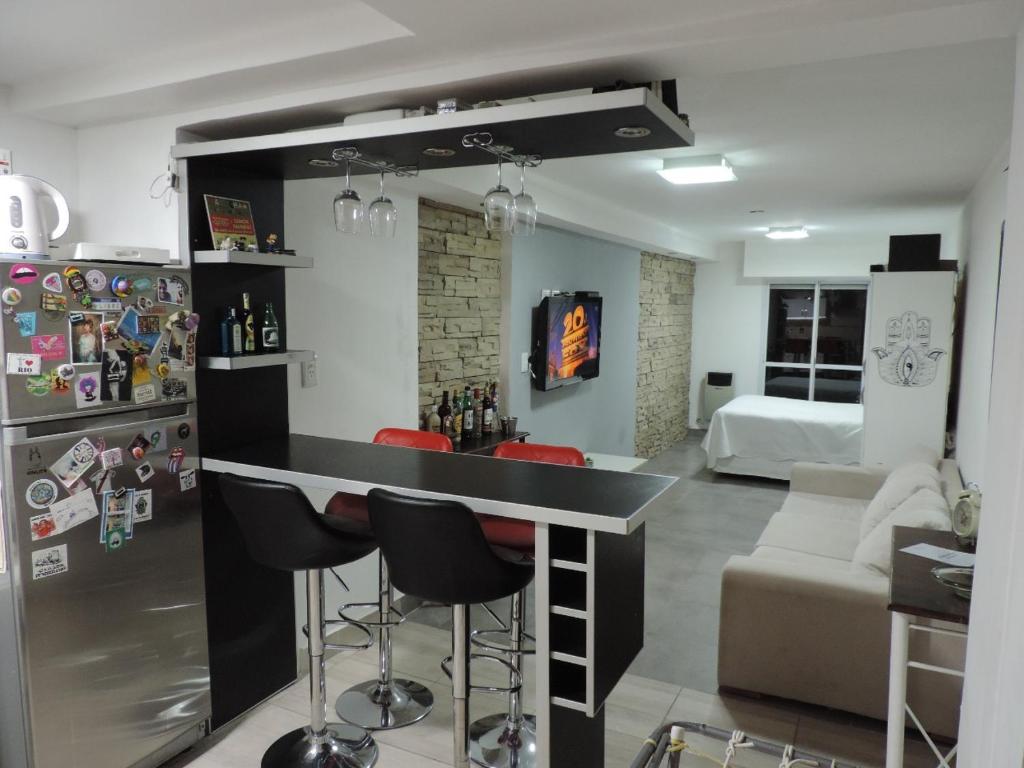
(577, 497)
(589, 557)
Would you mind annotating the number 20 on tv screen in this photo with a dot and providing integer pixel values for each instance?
(573, 328)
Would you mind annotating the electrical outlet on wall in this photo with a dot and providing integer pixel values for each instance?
(308, 373)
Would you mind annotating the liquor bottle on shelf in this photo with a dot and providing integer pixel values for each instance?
(467, 414)
(445, 413)
(433, 420)
(270, 336)
(456, 433)
(248, 326)
(478, 413)
(487, 417)
(494, 401)
(227, 332)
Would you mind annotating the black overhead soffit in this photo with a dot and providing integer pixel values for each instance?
(574, 126)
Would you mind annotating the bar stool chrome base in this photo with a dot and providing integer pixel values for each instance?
(494, 743)
(380, 707)
(340, 746)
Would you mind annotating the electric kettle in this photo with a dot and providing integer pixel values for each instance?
(23, 228)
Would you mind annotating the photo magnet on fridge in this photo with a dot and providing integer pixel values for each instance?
(116, 375)
(86, 337)
(144, 471)
(87, 391)
(144, 330)
(26, 323)
(171, 290)
(116, 525)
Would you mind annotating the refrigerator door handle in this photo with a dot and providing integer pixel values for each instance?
(82, 426)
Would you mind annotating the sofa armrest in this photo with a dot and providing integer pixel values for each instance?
(837, 480)
(805, 632)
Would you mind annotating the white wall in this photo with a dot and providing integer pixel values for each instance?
(990, 732)
(983, 221)
(598, 415)
(357, 309)
(811, 259)
(728, 323)
(47, 151)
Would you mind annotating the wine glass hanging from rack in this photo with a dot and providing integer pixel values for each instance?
(382, 213)
(502, 211)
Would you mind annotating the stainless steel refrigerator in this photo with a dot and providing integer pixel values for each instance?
(103, 647)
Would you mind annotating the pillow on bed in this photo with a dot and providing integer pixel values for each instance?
(924, 509)
(902, 483)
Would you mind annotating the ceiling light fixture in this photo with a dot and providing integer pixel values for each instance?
(787, 233)
(697, 170)
(632, 132)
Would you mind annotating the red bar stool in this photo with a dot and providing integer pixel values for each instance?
(509, 740)
(386, 702)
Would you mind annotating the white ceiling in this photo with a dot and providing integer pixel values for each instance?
(851, 116)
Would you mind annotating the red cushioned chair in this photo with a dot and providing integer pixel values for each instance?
(509, 739)
(384, 703)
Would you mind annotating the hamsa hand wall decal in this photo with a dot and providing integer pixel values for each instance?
(908, 358)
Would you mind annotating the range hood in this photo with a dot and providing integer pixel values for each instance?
(629, 120)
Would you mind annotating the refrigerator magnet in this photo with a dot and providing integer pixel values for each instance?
(116, 525)
(106, 304)
(49, 562)
(142, 282)
(11, 296)
(53, 283)
(73, 464)
(58, 384)
(144, 471)
(50, 346)
(96, 280)
(174, 460)
(26, 322)
(23, 274)
(24, 365)
(142, 512)
(145, 393)
(87, 391)
(187, 480)
(112, 458)
(53, 304)
(116, 376)
(138, 446)
(171, 290)
(38, 386)
(41, 493)
(121, 286)
(157, 439)
(66, 371)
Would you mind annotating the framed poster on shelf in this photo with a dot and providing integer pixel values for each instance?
(230, 218)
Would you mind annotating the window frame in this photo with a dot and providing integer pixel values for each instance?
(812, 367)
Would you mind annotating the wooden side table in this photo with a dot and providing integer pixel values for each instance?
(915, 595)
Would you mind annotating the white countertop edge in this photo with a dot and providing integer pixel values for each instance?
(547, 515)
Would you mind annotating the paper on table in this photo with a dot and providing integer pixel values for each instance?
(942, 555)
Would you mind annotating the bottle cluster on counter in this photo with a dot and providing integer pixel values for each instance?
(471, 413)
(243, 334)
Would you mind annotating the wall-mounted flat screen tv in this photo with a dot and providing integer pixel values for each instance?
(567, 340)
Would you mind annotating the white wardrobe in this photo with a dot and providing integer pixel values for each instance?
(907, 365)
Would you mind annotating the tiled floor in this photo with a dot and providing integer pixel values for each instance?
(692, 530)
(634, 709)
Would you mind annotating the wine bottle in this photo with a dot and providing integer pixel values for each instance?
(467, 414)
(269, 333)
(248, 326)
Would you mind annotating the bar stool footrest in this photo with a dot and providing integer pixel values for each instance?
(446, 664)
(344, 646)
(478, 637)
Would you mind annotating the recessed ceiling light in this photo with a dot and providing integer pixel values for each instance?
(787, 233)
(697, 170)
(438, 152)
(632, 132)
(316, 162)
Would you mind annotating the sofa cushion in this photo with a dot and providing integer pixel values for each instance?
(924, 509)
(824, 507)
(902, 483)
(811, 534)
(801, 558)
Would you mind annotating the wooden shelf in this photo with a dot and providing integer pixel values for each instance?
(254, 259)
(242, 362)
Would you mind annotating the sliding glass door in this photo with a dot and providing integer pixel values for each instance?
(815, 342)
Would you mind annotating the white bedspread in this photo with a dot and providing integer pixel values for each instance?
(781, 429)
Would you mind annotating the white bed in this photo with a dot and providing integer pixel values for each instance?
(764, 436)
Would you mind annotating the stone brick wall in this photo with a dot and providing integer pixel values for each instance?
(459, 300)
(663, 352)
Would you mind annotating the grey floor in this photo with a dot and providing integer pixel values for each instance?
(692, 529)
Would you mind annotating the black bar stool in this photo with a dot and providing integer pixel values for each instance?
(436, 550)
(282, 530)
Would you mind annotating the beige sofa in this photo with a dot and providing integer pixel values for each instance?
(800, 619)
